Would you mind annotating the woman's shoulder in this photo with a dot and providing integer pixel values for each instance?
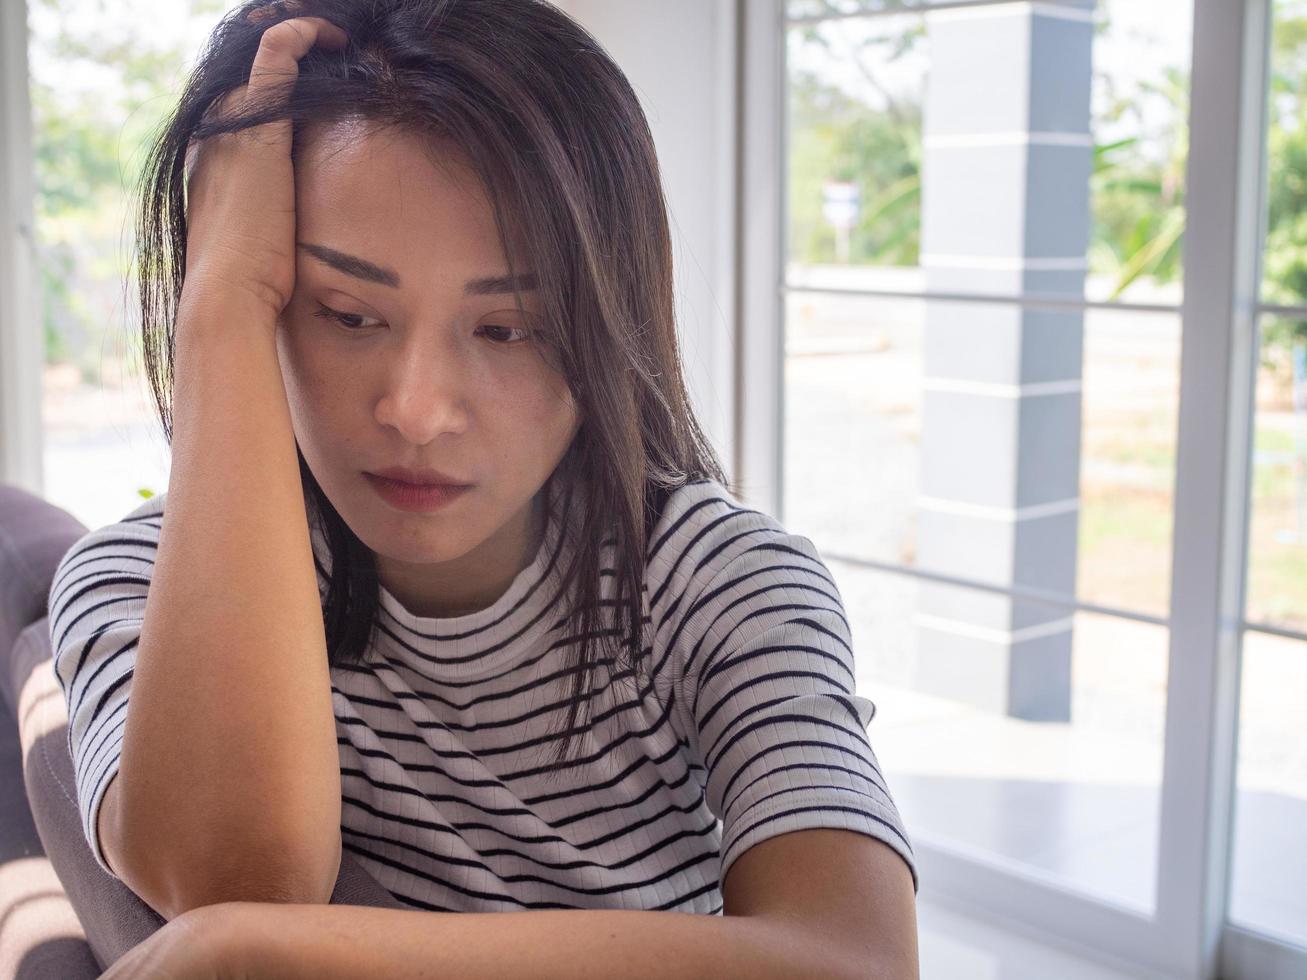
(125, 547)
(138, 526)
(707, 509)
(704, 530)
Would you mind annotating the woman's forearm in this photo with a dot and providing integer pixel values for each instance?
(230, 774)
(335, 942)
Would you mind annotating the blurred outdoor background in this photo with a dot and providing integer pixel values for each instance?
(1072, 797)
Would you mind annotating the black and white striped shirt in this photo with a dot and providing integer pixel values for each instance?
(748, 725)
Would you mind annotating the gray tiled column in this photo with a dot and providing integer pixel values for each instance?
(1005, 210)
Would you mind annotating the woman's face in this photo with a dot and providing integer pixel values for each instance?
(424, 372)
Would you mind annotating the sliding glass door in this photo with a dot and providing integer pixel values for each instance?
(1000, 261)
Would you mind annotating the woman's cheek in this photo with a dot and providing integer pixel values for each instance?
(552, 418)
(515, 381)
(315, 386)
(542, 392)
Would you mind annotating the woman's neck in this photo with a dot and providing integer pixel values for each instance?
(474, 581)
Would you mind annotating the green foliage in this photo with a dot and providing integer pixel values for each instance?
(1284, 276)
(1137, 206)
(56, 270)
(879, 155)
(88, 144)
(835, 137)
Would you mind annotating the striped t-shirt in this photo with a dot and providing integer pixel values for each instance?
(746, 725)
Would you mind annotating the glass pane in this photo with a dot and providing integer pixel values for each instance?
(1270, 849)
(905, 408)
(1132, 401)
(1285, 268)
(1076, 799)
(1277, 546)
(102, 77)
(917, 142)
(906, 442)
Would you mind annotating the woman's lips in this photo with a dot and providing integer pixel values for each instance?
(423, 476)
(415, 497)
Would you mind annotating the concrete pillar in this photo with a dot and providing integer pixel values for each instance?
(1005, 210)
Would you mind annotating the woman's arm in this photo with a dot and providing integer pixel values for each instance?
(230, 775)
(229, 768)
(336, 942)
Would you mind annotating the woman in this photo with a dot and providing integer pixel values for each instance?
(499, 629)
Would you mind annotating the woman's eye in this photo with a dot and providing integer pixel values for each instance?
(500, 335)
(344, 319)
(503, 336)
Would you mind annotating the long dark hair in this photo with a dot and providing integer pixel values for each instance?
(558, 136)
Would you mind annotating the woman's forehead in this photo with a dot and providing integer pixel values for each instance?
(390, 191)
(358, 152)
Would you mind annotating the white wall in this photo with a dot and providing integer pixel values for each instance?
(679, 56)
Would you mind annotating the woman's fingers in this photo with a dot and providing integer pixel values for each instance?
(277, 61)
(283, 45)
(240, 185)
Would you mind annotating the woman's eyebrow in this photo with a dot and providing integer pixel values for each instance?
(359, 268)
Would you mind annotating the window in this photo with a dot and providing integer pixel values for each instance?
(1032, 412)
(982, 358)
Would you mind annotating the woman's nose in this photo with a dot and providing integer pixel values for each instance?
(425, 395)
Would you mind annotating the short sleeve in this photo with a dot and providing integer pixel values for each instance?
(96, 608)
(767, 687)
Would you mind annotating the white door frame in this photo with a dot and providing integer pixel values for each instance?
(22, 338)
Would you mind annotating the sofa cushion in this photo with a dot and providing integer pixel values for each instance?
(34, 536)
(42, 938)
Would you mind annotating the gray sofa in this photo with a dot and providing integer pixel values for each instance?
(61, 915)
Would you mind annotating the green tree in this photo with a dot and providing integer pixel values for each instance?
(1285, 267)
(87, 148)
(835, 137)
(1138, 202)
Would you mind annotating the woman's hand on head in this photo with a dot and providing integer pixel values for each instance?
(240, 187)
